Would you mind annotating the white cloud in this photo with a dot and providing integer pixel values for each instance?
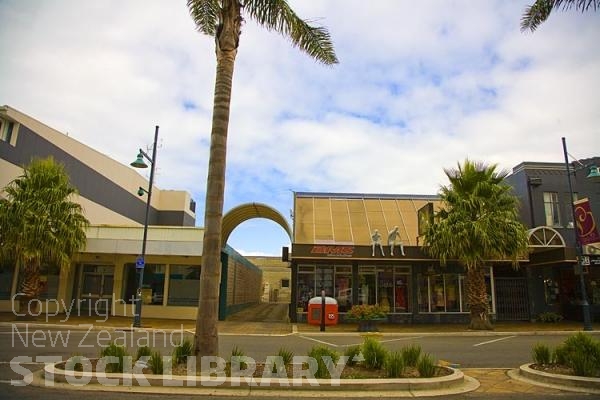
(420, 86)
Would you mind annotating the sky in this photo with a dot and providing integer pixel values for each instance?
(420, 87)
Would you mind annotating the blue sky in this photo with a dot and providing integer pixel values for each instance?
(420, 86)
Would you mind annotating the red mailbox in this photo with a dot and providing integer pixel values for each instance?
(314, 311)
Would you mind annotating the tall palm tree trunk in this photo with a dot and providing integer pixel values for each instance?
(207, 337)
(30, 289)
(477, 296)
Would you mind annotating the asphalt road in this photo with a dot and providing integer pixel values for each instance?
(40, 344)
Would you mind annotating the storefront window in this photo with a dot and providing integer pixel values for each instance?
(6, 278)
(446, 293)
(306, 286)
(49, 275)
(184, 285)
(451, 284)
(550, 291)
(153, 286)
(324, 280)
(401, 293)
(367, 287)
(343, 287)
(387, 286)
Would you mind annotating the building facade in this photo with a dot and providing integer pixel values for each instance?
(553, 279)
(333, 252)
(103, 277)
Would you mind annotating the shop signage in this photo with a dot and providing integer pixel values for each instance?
(586, 226)
(590, 260)
(332, 251)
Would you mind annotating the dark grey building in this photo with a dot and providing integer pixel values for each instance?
(553, 284)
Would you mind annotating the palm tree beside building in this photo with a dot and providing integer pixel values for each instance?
(40, 224)
(478, 222)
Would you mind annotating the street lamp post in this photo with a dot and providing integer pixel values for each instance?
(585, 306)
(140, 263)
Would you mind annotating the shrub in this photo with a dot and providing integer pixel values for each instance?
(238, 354)
(114, 350)
(426, 366)
(374, 353)
(143, 351)
(551, 317)
(411, 354)
(156, 363)
(182, 351)
(582, 353)
(365, 312)
(560, 355)
(353, 354)
(394, 365)
(75, 363)
(541, 354)
(287, 357)
(320, 353)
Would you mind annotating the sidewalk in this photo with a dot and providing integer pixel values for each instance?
(253, 326)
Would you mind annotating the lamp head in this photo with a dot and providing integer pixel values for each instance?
(139, 161)
(141, 191)
(594, 172)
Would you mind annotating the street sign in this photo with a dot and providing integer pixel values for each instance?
(139, 263)
(584, 260)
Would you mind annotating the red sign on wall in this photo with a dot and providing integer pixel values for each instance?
(584, 220)
(333, 251)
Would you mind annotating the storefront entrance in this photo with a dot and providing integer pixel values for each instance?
(93, 287)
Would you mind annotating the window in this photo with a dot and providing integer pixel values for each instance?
(343, 287)
(306, 288)
(7, 270)
(389, 287)
(6, 130)
(49, 276)
(551, 209)
(184, 285)
(152, 287)
(446, 292)
(285, 283)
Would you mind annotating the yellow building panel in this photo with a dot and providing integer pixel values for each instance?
(352, 220)
(304, 233)
(342, 235)
(372, 205)
(356, 206)
(377, 221)
(322, 204)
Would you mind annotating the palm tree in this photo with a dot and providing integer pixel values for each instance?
(222, 19)
(40, 224)
(478, 222)
(539, 11)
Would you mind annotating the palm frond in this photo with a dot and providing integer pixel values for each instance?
(478, 220)
(539, 11)
(278, 16)
(206, 14)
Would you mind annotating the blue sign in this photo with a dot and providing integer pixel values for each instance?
(139, 262)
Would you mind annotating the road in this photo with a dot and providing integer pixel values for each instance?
(503, 351)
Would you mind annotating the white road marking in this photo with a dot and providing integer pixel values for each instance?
(493, 341)
(319, 341)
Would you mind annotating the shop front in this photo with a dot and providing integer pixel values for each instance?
(411, 288)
